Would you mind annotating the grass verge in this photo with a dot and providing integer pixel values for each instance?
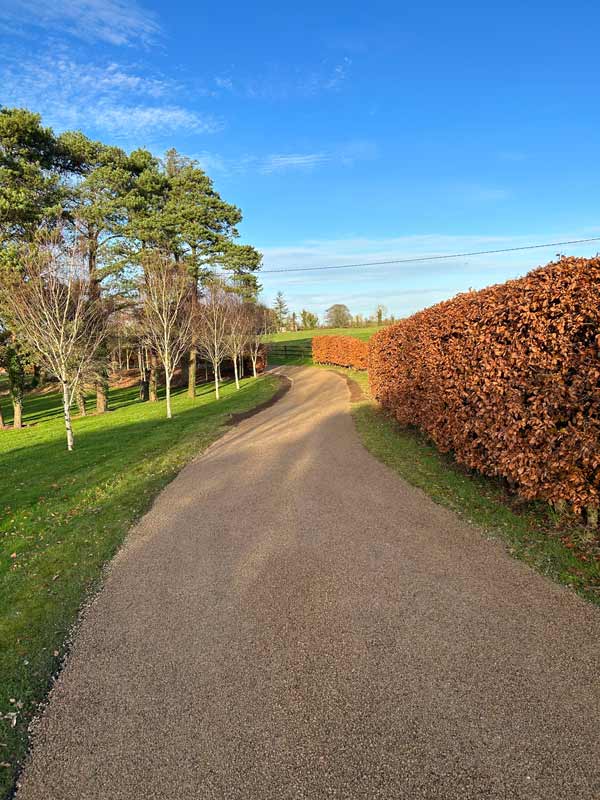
(307, 335)
(303, 339)
(63, 516)
(559, 548)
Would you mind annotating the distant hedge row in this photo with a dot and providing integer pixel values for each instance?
(343, 351)
(507, 379)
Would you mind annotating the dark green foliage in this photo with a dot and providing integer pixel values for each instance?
(30, 165)
(280, 310)
(338, 316)
(13, 361)
(309, 320)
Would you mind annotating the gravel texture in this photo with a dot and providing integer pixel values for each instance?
(291, 620)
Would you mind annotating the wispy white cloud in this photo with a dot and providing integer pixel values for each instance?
(345, 154)
(224, 83)
(286, 161)
(115, 76)
(118, 22)
(141, 120)
(282, 82)
(211, 163)
(328, 77)
(111, 98)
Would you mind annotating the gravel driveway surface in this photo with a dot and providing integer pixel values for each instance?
(292, 620)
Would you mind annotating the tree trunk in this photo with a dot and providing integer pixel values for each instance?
(191, 392)
(102, 392)
(235, 372)
(144, 384)
(144, 388)
(193, 357)
(67, 414)
(216, 371)
(168, 394)
(144, 377)
(17, 412)
(81, 402)
(16, 385)
(101, 397)
(254, 366)
(153, 380)
(35, 380)
(1, 417)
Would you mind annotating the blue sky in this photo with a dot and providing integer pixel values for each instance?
(345, 131)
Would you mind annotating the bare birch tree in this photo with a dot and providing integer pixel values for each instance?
(260, 326)
(213, 328)
(166, 312)
(52, 308)
(238, 333)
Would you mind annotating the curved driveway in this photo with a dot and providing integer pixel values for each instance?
(292, 620)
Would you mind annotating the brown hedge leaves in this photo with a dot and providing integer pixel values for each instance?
(507, 379)
(343, 351)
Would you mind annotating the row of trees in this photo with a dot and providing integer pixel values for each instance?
(282, 319)
(336, 316)
(104, 211)
(49, 302)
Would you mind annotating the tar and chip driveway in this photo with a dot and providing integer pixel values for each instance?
(291, 620)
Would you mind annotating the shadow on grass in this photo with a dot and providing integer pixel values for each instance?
(65, 514)
(44, 407)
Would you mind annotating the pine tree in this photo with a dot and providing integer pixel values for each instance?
(281, 310)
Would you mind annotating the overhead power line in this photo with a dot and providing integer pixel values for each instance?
(428, 258)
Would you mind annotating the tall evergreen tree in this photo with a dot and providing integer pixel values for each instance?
(30, 160)
(31, 192)
(201, 228)
(97, 210)
(281, 310)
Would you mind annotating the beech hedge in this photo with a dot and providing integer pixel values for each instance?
(341, 351)
(507, 379)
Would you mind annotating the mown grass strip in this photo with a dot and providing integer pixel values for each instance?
(559, 548)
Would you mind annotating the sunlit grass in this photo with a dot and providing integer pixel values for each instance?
(63, 515)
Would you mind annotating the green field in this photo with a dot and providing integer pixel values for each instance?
(293, 347)
(307, 335)
(63, 515)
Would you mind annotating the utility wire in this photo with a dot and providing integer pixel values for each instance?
(427, 258)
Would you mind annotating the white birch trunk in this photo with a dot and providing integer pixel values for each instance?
(168, 394)
(216, 371)
(67, 415)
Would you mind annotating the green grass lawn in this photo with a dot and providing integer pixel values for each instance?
(307, 335)
(559, 548)
(277, 354)
(63, 515)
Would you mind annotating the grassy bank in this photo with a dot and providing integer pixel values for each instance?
(63, 515)
(307, 335)
(559, 548)
(301, 340)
